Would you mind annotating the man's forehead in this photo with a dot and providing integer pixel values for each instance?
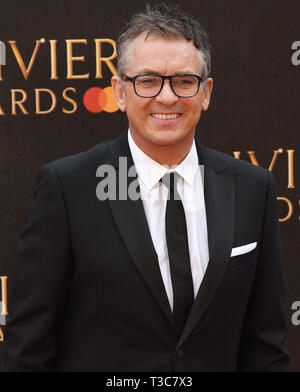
(146, 52)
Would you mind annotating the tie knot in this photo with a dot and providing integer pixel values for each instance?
(170, 181)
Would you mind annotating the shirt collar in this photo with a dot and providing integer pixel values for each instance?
(150, 172)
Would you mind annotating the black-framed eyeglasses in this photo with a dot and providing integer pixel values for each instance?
(149, 86)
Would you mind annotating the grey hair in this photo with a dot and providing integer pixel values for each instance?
(166, 21)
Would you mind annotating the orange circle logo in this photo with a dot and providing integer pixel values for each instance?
(98, 99)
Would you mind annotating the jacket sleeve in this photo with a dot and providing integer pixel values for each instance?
(262, 342)
(41, 280)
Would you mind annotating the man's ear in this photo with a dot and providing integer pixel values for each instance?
(119, 92)
(207, 89)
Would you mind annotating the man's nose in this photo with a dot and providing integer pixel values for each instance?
(167, 95)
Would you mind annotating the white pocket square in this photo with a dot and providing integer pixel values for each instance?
(240, 250)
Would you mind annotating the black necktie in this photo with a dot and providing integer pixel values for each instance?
(177, 243)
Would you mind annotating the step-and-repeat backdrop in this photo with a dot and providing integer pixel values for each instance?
(57, 59)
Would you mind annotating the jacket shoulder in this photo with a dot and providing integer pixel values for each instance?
(239, 166)
(94, 154)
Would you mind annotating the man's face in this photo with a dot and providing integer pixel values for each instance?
(164, 57)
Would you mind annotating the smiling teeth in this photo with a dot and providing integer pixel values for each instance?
(166, 116)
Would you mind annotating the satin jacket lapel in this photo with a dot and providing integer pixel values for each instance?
(219, 204)
(131, 221)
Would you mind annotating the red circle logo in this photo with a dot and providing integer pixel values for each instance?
(98, 99)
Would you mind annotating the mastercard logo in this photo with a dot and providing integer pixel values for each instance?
(98, 99)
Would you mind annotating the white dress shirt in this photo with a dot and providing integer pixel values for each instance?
(154, 195)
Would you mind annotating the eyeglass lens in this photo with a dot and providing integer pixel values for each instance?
(150, 85)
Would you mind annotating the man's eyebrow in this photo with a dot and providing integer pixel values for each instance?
(147, 71)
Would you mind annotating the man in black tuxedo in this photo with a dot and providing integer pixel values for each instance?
(178, 271)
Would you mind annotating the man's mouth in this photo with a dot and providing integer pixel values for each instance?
(166, 116)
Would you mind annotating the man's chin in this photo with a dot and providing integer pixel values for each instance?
(167, 137)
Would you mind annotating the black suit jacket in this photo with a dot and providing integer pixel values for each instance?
(88, 294)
